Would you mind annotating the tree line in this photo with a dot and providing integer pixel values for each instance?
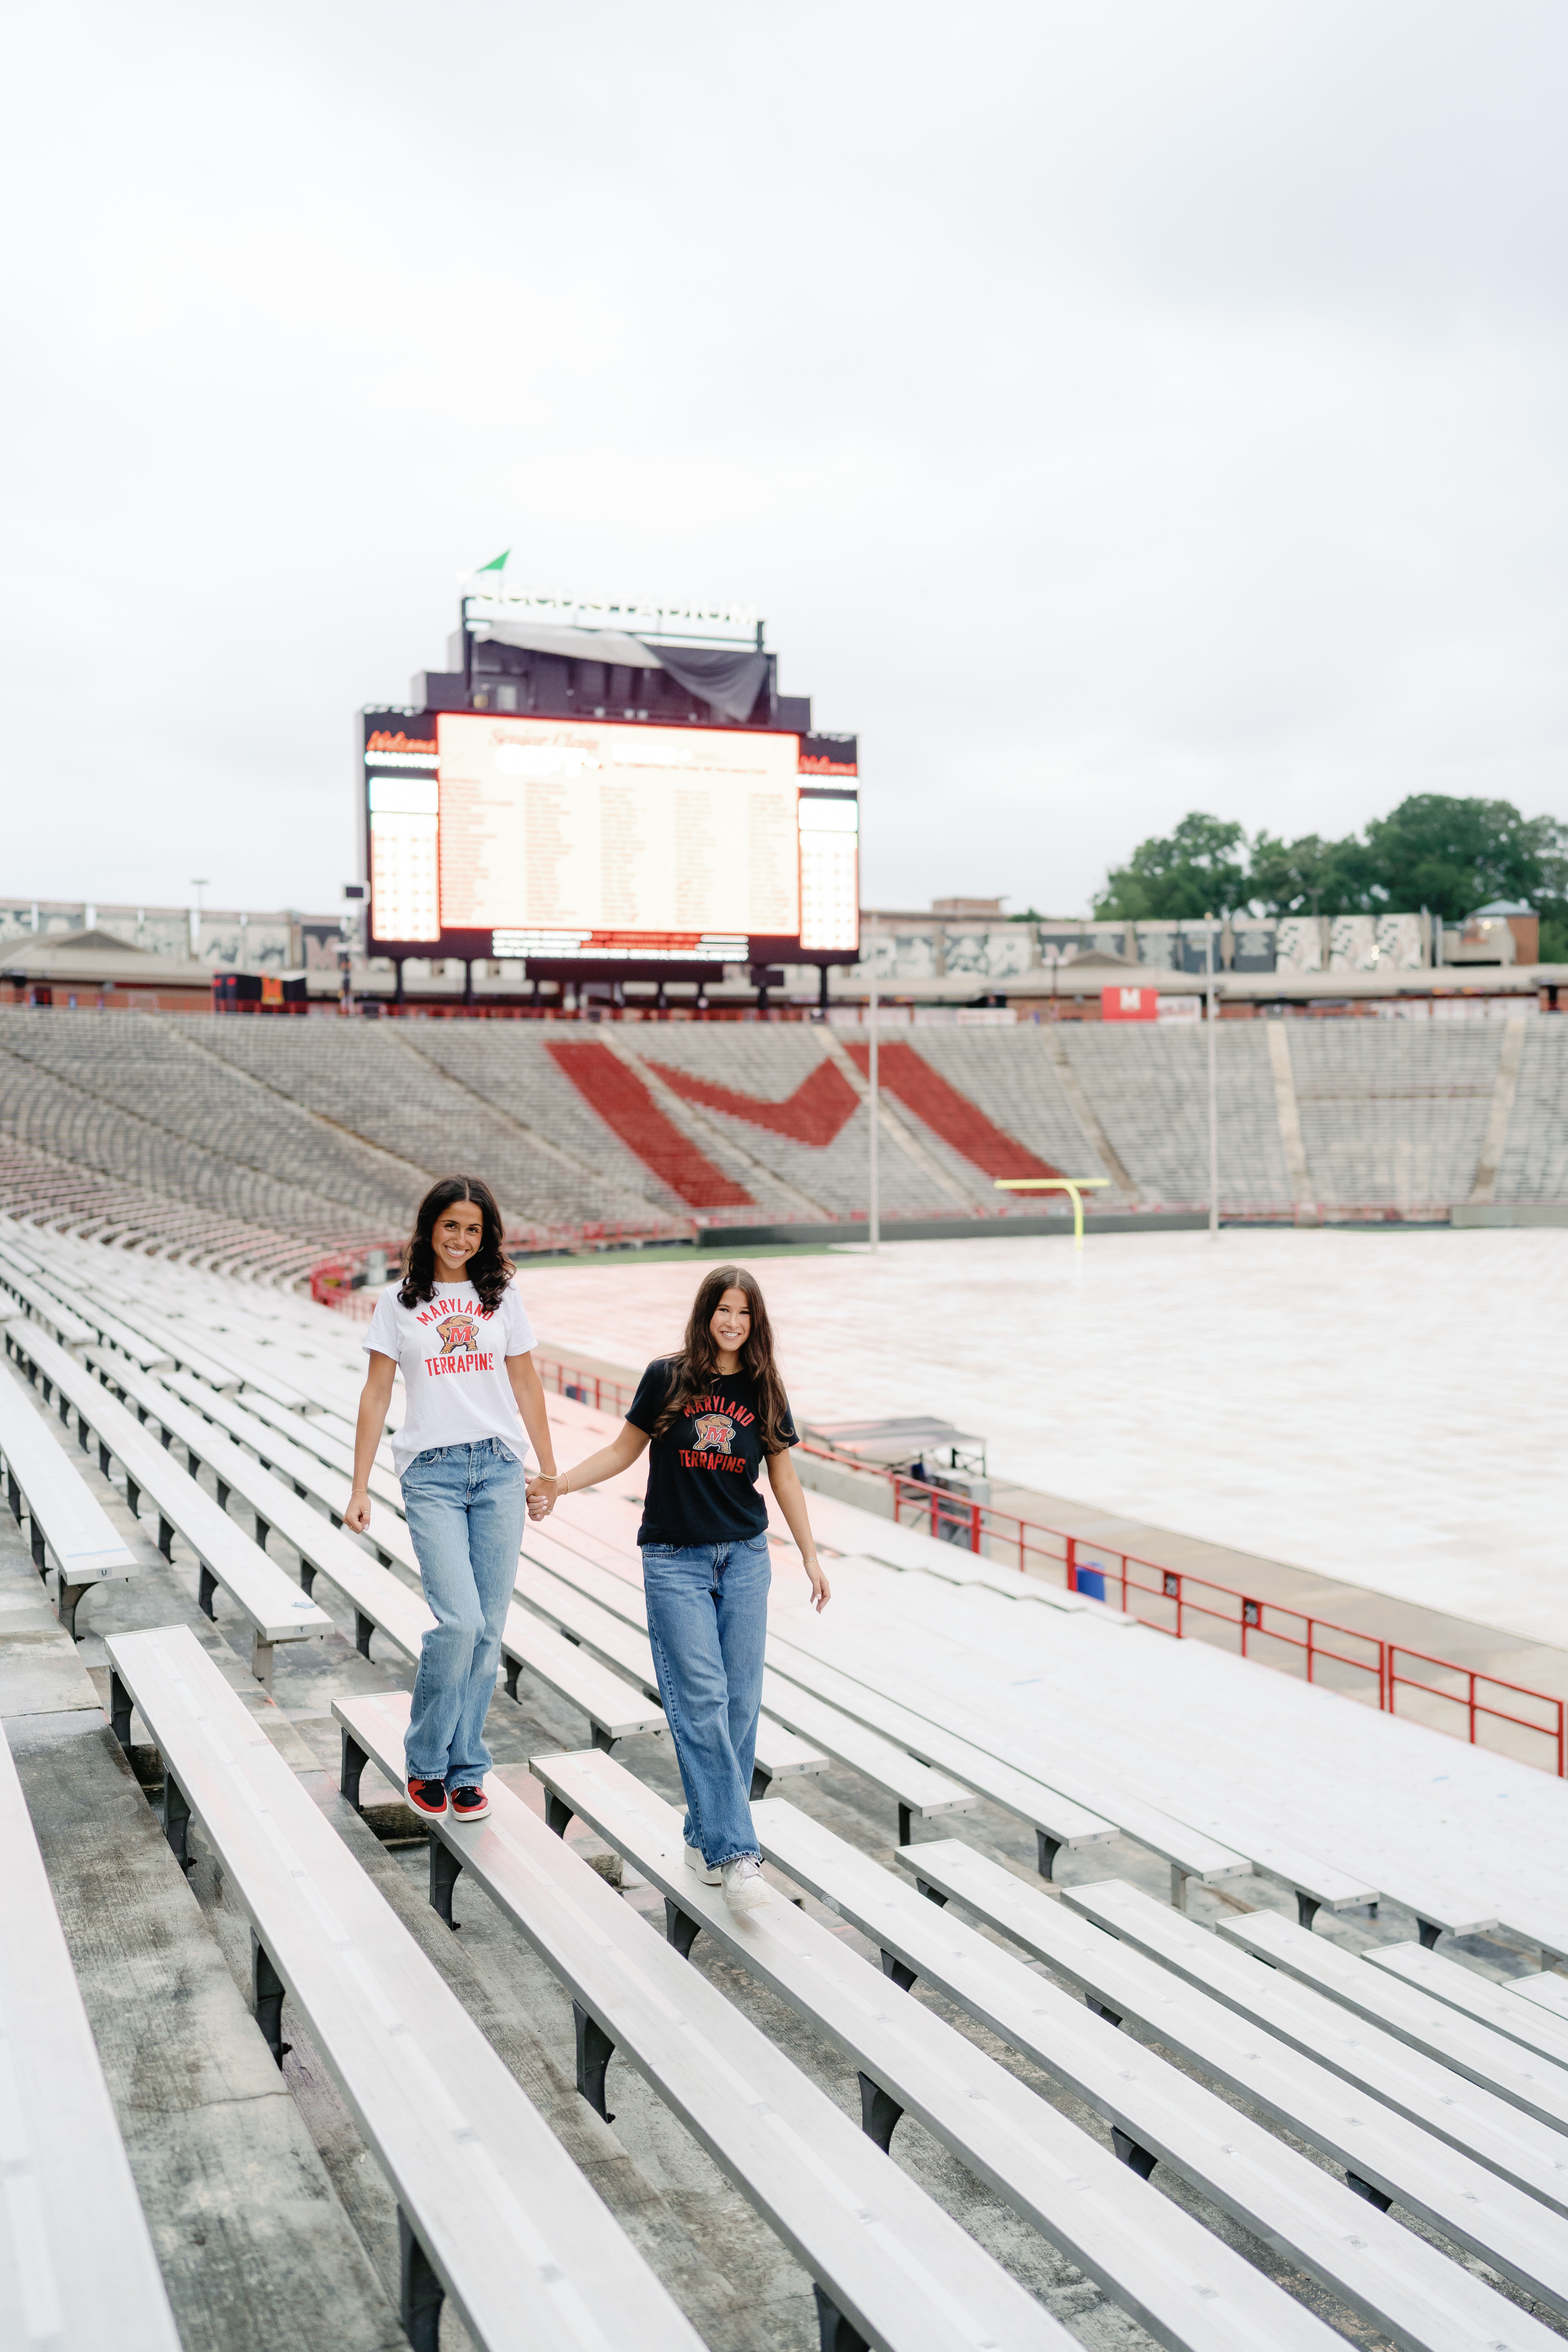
(1449, 856)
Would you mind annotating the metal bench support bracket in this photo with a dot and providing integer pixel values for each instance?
(446, 1869)
(594, 2051)
(879, 2113)
(267, 2000)
(420, 2294)
(679, 1927)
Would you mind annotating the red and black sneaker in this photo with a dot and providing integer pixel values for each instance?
(471, 1804)
(428, 1796)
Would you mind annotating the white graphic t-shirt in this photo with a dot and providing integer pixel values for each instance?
(452, 1354)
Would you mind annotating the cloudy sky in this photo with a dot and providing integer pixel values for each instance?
(1113, 411)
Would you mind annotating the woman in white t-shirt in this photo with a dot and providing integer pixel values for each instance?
(455, 1328)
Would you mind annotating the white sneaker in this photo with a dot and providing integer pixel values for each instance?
(699, 1868)
(745, 1888)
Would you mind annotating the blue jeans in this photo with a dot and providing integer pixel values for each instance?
(465, 1508)
(708, 1624)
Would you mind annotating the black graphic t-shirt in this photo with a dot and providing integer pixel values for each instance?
(702, 1473)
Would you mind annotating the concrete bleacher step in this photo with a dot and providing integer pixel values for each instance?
(1188, 2288)
(494, 2214)
(1158, 2113)
(78, 2272)
(888, 2261)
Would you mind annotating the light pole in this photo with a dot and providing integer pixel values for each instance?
(1214, 1096)
(198, 884)
(873, 1213)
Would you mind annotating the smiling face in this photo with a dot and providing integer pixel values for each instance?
(459, 1230)
(731, 1324)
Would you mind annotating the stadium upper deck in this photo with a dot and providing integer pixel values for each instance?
(269, 1144)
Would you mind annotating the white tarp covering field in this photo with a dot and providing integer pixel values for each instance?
(1386, 1407)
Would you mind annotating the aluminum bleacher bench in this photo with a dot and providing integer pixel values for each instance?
(1189, 2289)
(1472, 2119)
(614, 1707)
(40, 1306)
(1056, 1819)
(492, 2212)
(1151, 1715)
(64, 1516)
(171, 1345)
(290, 1442)
(87, 1309)
(1472, 2049)
(619, 1637)
(1549, 1992)
(227, 1558)
(892, 2269)
(919, 1793)
(1474, 1996)
(1156, 2111)
(934, 1679)
(1400, 2160)
(78, 2272)
(380, 1601)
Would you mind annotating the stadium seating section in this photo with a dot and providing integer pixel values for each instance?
(1013, 2081)
(268, 1144)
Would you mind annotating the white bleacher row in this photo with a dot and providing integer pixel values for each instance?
(544, 1153)
(1158, 2113)
(515, 1068)
(1363, 1856)
(1396, 1111)
(772, 1064)
(63, 1196)
(77, 2266)
(317, 1128)
(135, 1097)
(978, 1629)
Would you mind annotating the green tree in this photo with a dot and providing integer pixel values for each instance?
(1453, 856)
(1311, 877)
(1200, 869)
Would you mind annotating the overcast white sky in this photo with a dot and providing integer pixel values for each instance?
(1113, 410)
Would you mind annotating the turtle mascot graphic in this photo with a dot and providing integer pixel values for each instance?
(456, 1333)
(714, 1433)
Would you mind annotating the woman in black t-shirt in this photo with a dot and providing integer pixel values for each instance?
(710, 1416)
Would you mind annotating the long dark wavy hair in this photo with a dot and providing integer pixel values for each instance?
(696, 1363)
(489, 1269)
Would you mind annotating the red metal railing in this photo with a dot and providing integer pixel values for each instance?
(1168, 1600)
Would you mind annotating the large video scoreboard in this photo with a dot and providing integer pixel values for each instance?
(585, 841)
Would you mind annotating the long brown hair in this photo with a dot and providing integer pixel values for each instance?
(697, 1362)
(489, 1269)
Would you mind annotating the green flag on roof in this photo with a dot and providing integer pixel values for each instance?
(497, 563)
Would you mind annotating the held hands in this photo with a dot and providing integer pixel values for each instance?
(357, 1513)
(544, 1491)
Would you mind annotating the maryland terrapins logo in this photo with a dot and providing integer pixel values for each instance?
(713, 1434)
(455, 1335)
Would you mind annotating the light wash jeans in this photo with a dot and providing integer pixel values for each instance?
(708, 1624)
(465, 1508)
